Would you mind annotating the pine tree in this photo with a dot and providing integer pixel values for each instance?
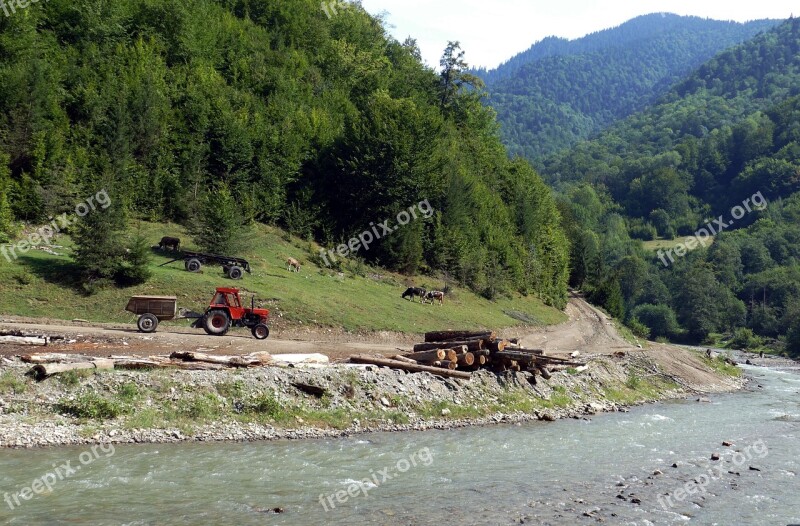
(219, 227)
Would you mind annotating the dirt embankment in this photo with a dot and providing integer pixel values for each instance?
(264, 403)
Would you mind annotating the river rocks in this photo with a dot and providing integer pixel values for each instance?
(715, 456)
(727, 443)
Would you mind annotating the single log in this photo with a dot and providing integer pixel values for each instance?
(402, 358)
(466, 359)
(521, 356)
(544, 372)
(481, 360)
(54, 358)
(471, 345)
(450, 364)
(24, 340)
(545, 360)
(428, 356)
(231, 361)
(394, 364)
(442, 336)
(313, 358)
(497, 345)
(43, 370)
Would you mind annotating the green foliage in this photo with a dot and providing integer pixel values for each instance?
(638, 328)
(743, 338)
(609, 296)
(659, 319)
(134, 269)
(219, 226)
(91, 406)
(11, 384)
(793, 340)
(6, 215)
(218, 114)
(559, 92)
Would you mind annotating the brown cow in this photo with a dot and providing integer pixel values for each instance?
(292, 265)
(435, 295)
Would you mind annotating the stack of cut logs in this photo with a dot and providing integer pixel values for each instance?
(456, 353)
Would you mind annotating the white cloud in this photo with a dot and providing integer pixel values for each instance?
(492, 31)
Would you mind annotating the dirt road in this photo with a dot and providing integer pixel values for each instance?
(588, 331)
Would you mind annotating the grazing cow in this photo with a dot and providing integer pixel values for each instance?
(414, 291)
(435, 295)
(292, 265)
(173, 243)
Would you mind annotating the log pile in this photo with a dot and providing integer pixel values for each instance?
(456, 354)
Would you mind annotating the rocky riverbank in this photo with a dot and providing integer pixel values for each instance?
(267, 404)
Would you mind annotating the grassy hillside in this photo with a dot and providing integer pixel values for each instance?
(358, 298)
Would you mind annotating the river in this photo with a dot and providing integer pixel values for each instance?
(564, 472)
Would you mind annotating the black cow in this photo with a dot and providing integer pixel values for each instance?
(173, 243)
(414, 291)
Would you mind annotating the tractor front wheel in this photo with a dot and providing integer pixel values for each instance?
(260, 331)
(216, 322)
(147, 322)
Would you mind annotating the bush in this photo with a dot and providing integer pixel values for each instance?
(744, 338)
(645, 232)
(793, 340)
(90, 405)
(660, 319)
(638, 328)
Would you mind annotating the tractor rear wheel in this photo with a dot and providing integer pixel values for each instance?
(193, 265)
(147, 322)
(216, 322)
(235, 272)
(260, 331)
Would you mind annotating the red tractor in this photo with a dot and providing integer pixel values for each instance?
(226, 311)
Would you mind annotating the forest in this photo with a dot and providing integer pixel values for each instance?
(727, 132)
(218, 114)
(562, 91)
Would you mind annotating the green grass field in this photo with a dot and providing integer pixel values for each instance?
(359, 298)
(666, 244)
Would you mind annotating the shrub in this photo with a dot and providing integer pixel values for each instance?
(90, 405)
(638, 328)
(660, 319)
(744, 338)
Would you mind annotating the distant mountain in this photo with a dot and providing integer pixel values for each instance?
(729, 129)
(560, 91)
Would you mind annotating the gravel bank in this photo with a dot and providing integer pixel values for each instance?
(263, 403)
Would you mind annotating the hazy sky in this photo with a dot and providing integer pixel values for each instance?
(492, 31)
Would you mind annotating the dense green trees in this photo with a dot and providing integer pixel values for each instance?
(321, 125)
(559, 92)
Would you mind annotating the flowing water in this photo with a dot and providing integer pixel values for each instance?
(545, 473)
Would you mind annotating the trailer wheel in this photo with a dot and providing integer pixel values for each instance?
(216, 322)
(193, 265)
(235, 272)
(147, 322)
(260, 331)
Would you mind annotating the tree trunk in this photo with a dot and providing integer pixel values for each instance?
(44, 370)
(375, 360)
(466, 359)
(471, 345)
